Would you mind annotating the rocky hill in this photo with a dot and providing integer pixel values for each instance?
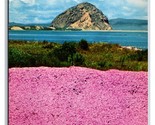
(116, 24)
(84, 16)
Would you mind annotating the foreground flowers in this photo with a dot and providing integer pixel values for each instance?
(77, 96)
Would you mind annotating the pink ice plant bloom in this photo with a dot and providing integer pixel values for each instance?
(77, 96)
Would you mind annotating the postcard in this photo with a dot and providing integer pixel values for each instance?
(78, 62)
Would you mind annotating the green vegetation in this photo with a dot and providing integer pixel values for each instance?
(101, 56)
(83, 44)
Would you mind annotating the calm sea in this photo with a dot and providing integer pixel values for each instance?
(125, 38)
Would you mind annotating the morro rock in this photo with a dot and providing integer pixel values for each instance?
(84, 16)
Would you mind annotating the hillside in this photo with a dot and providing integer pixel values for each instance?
(117, 24)
(84, 16)
(128, 24)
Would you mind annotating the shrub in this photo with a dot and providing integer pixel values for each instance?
(18, 58)
(78, 59)
(101, 56)
(142, 55)
(45, 42)
(66, 50)
(69, 48)
(102, 64)
(139, 56)
(64, 64)
(57, 53)
(83, 44)
(122, 60)
(48, 45)
(51, 60)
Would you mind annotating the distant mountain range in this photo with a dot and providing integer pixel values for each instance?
(29, 24)
(117, 24)
(128, 24)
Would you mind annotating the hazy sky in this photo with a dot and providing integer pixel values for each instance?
(44, 11)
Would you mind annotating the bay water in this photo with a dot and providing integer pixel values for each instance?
(137, 39)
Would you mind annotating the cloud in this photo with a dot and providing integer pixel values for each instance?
(25, 11)
(124, 8)
(29, 2)
(77, 1)
(37, 20)
(138, 3)
(127, 8)
(14, 3)
(18, 3)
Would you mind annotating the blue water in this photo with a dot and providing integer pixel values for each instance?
(124, 38)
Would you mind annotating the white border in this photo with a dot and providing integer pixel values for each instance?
(2, 63)
(152, 63)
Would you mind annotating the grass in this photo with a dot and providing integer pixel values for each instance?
(102, 56)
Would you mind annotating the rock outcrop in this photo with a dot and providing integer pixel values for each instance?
(29, 28)
(16, 28)
(39, 27)
(84, 16)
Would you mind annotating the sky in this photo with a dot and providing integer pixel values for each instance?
(44, 11)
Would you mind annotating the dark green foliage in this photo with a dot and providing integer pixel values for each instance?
(17, 42)
(102, 64)
(58, 53)
(139, 55)
(83, 44)
(52, 60)
(45, 42)
(142, 55)
(19, 58)
(38, 59)
(48, 45)
(66, 50)
(78, 59)
(69, 47)
(101, 56)
(122, 60)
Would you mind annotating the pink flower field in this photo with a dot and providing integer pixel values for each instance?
(77, 96)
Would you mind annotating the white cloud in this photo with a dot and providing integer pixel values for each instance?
(138, 3)
(46, 10)
(52, 1)
(37, 20)
(15, 3)
(127, 8)
(18, 17)
(19, 3)
(77, 1)
(30, 2)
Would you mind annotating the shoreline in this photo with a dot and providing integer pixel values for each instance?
(122, 46)
(87, 30)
